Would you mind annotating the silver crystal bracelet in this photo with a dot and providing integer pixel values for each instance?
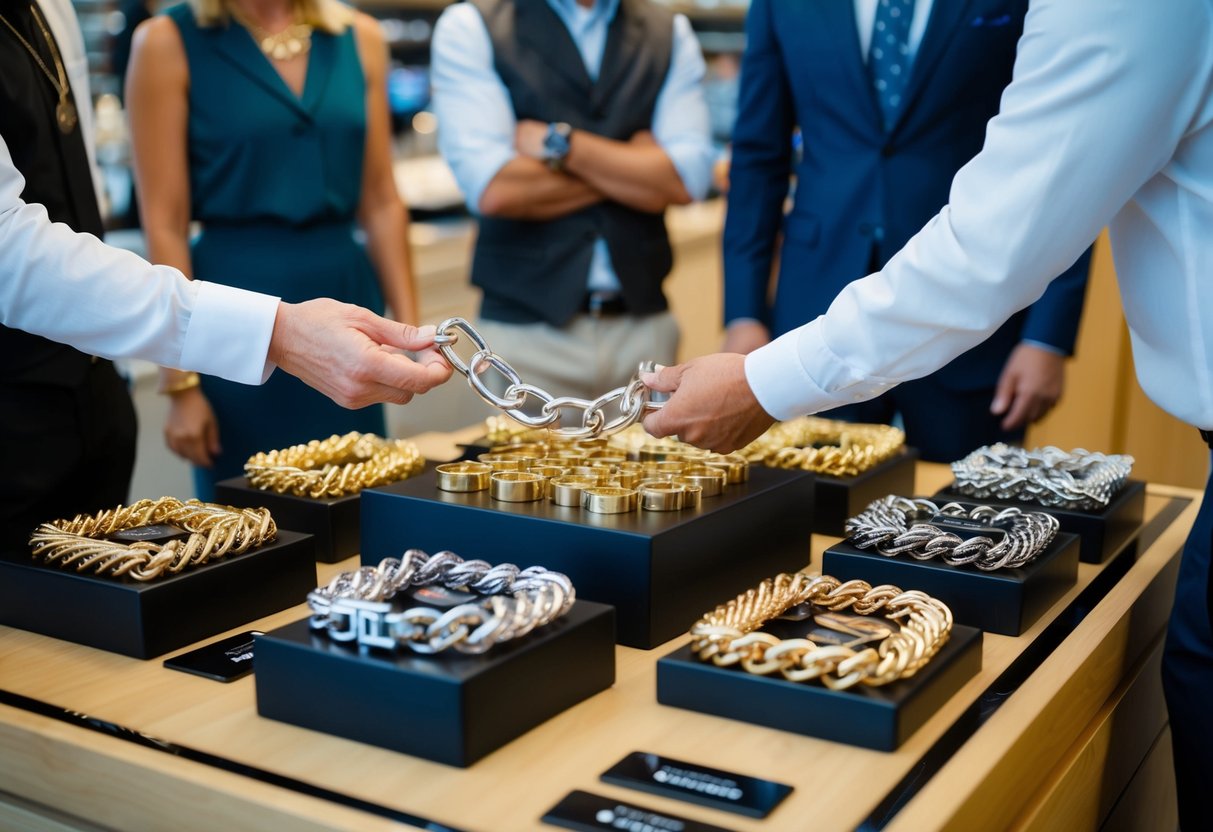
(992, 539)
(1049, 476)
(356, 606)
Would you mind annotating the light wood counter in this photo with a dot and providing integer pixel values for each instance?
(1047, 758)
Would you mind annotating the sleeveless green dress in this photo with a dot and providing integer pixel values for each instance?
(275, 181)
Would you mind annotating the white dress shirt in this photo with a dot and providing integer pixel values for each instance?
(476, 119)
(1108, 121)
(72, 288)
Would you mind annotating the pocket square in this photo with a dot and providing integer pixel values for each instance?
(1001, 20)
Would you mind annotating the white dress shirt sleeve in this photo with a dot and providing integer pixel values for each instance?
(1103, 93)
(72, 288)
(475, 118)
(681, 124)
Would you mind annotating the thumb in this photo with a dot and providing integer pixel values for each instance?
(393, 334)
(1004, 392)
(665, 379)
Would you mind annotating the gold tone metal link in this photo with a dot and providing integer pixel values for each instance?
(335, 467)
(825, 446)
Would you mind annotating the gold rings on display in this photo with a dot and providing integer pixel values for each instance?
(608, 499)
(710, 480)
(728, 635)
(334, 467)
(662, 496)
(517, 486)
(463, 476)
(825, 446)
(566, 490)
(216, 532)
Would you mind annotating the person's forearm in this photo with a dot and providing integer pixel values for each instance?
(526, 189)
(387, 233)
(637, 174)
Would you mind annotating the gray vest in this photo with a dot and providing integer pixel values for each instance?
(536, 271)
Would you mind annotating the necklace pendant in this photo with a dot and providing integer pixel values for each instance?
(65, 116)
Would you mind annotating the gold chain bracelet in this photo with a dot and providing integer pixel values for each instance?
(825, 446)
(727, 635)
(334, 467)
(216, 531)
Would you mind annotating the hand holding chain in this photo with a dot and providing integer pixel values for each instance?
(893, 525)
(1049, 476)
(825, 446)
(727, 635)
(334, 467)
(216, 531)
(355, 606)
(633, 399)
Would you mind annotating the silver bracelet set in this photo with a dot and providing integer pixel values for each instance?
(1001, 539)
(1048, 476)
(356, 606)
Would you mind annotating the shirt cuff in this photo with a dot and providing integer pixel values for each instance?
(228, 333)
(1041, 345)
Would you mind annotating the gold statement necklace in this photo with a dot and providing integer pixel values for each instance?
(292, 42)
(65, 110)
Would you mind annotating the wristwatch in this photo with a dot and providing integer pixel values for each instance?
(556, 144)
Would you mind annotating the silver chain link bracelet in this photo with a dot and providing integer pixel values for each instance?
(356, 606)
(1047, 476)
(633, 399)
(1002, 539)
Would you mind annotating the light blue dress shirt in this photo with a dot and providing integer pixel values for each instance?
(476, 121)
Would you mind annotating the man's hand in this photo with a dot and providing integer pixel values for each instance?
(712, 405)
(745, 336)
(191, 431)
(529, 138)
(352, 355)
(1030, 384)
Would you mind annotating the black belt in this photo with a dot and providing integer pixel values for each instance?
(1207, 435)
(604, 304)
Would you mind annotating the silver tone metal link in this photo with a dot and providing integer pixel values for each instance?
(1048, 476)
(355, 606)
(633, 400)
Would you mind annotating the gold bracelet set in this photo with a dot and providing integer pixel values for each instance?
(597, 476)
(825, 446)
(215, 531)
(334, 467)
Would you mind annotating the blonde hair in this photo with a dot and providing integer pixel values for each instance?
(325, 15)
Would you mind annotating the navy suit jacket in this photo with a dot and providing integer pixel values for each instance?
(856, 184)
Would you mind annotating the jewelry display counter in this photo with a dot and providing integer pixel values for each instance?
(1063, 727)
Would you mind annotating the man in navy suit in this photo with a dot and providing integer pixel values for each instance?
(891, 98)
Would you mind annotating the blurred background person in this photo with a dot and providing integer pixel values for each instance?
(267, 122)
(891, 98)
(571, 125)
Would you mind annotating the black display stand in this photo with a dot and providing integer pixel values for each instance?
(147, 619)
(837, 499)
(332, 521)
(1104, 532)
(659, 569)
(1005, 601)
(451, 708)
(871, 717)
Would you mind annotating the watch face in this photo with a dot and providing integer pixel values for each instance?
(556, 144)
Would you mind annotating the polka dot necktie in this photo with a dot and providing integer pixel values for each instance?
(889, 55)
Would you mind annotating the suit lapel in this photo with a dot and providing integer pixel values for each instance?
(946, 16)
(236, 46)
(838, 25)
(536, 19)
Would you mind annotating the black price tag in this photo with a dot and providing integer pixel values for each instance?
(967, 528)
(160, 533)
(693, 783)
(223, 661)
(588, 812)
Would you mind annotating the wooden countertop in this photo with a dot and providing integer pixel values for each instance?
(120, 784)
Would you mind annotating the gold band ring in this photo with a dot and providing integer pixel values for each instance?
(464, 476)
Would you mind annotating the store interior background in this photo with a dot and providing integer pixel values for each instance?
(1103, 408)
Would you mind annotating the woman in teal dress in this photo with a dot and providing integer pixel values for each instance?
(266, 123)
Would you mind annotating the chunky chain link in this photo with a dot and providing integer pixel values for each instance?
(825, 446)
(729, 634)
(1049, 476)
(334, 467)
(632, 400)
(895, 525)
(355, 606)
(216, 531)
